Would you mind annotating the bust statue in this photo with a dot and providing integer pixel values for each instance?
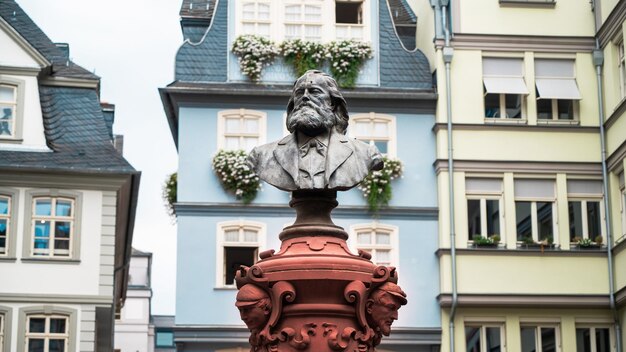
(382, 307)
(254, 307)
(316, 155)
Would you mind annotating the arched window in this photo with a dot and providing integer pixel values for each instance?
(239, 243)
(376, 129)
(255, 18)
(380, 240)
(241, 129)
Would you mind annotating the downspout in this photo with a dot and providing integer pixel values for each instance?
(448, 53)
(598, 61)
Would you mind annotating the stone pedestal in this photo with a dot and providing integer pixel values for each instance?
(318, 289)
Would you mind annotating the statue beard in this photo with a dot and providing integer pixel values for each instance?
(311, 119)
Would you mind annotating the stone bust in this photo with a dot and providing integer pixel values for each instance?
(382, 307)
(316, 155)
(254, 306)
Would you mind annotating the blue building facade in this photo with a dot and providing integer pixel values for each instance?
(212, 106)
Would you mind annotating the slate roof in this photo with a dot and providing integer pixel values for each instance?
(13, 14)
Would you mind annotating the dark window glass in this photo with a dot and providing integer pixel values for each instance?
(548, 340)
(523, 220)
(164, 339)
(57, 326)
(348, 12)
(603, 342)
(234, 258)
(382, 146)
(37, 325)
(544, 109)
(3, 227)
(35, 345)
(544, 219)
(528, 339)
(493, 340)
(4, 206)
(566, 109)
(593, 220)
(473, 217)
(575, 220)
(492, 105)
(513, 106)
(57, 345)
(493, 217)
(583, 340)
(472, 339)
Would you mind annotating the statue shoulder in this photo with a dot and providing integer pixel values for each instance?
(368, 152)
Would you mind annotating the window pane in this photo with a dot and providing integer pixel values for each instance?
(548, 340)
(493, 340)
(492, 105)
(544, 109)
(62, 229)
(43, 206)
(383, 256)
(312, 13)
(7, 94)
(63, 208)
(544, 219)
(248, 28)
(231, 143)
(6, 128)
(231, 236)
(361, 128)
(575, 220)
(4, 206)
(380, 129)
(57, 325)
(292, 31)
(264, 12)
(251, 125)
(593, 219)
(62, 245)
(473, 217)
(164, 339)
(472, 339)
(3, 227)
(312, 32)
(35, 345)
(513, 106)
(57, 345)
(583, 340)
(382, 146)
(36, 324)
(383, 238)
(250, 142)
(248, 11)
(566, 109)
(364, 238)
(235, 257)
(292, 13)
(42, 228)
(528, 340)
(603, 342)
(523, 220)
(249, 236)
(493, 216)
(232, 125)
(263, 29)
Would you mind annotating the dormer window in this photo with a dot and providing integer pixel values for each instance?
(8, 108)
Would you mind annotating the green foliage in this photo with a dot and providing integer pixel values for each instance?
(253, 53)
(302, 55)
(169, 192)
(585, 242)
(236, 175)
(486, 241)
(376, 186)
(346, 58)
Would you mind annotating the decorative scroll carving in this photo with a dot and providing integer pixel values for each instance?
(339, 342)
(355, 292)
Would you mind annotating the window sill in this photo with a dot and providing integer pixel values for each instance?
(497, 120)
(225, 288)
(558, 122)
(11, 140)
(7, 259)
(539, 246)
(51, 260)
(528, 3)
(471, 245)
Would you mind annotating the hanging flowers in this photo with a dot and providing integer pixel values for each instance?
(346, 58)
(169, 193)
(376, 187)
(303, 55)
(254, 52)
(231, 167)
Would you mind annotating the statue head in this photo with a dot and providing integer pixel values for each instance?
(382, 306)
(316, 105)
(254, 306)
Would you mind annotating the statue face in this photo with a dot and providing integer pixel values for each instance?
(254, 316)
(383, 313)
(313, 111)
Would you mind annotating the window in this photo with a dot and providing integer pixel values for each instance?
(557, 91)
(540, 339)
(505, 89)
(484, 204)
(5, 222)
(621, 65)
(376, 129)
(622, 189)
(2, 332)
(47, 333)
(164, 338)
(585, 210)
(52, 224)
(380, 240)
(239, 244)
(484, 338)
(303, 21)
(255, 18)
(241, 129)
(535, 208)
(349, 20)
(8, 107)
(593, 339)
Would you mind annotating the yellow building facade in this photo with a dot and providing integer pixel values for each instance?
(531, 137)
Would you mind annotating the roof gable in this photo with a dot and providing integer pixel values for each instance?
(16, 51)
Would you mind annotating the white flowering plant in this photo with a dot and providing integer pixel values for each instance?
(346, 58)
(236, 175)
(376, 187)
(254, 52)
(303, 55)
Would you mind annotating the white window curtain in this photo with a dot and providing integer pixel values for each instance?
(535, 189)
(584, 188)
(555, 79)
(483, 185)
(504, 76)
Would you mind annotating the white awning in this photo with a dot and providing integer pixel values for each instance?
(505, 85)
(557, 88)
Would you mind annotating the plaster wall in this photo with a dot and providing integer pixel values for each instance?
(493, 17)
(611, 77)
(138, 271)
(13, 54)
(619, 259)
(606, 6)
(62, 277)
(616, 134)
(425, 29)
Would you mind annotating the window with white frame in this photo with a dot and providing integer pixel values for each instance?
(505, 88)
(484, 207)
(376, 129)
(621, 65)
(622, 191)
(239, 243)
(8, 110)
(5, 223)
(484, 337)
(52, 226)
(2, 332)
(535, 210)
(241, 129)
(47, 333)
(380, 240)
(557, 91)
(585, 211)
(303, 20)
(540, 338)
(255, 18)
(349, 20)
(593, 339)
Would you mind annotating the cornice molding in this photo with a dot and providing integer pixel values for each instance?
(613, 24)
(490, 42)
(70, 82)
(517, 127)
(103, 182)
(56, 298)
(525, 301)
(523, 252)
(20, 70)
(614, 161)
(536, 167)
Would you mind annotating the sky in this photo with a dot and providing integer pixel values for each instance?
(131, 45)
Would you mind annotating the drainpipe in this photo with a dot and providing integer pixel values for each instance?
(598, 62)
(448, 53)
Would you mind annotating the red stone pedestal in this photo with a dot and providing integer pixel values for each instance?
(318, 289)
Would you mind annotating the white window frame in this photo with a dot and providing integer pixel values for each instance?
(483, 333)
(5, 251)
(372, 117)
(2, 323)
(47, 335)
(373, 227)
(350, 28)
(621, 67)
(584, 219)
(241, 225)
(242, 114)
(303, 23)
(18, 108)
(502, 101)
(53, 218)
(11, 217)
(623, 210)
(533, 214)
(537, 327)
(592, 335)
(554, 102)
(555, 112)
(483, 214)
(256, 21)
